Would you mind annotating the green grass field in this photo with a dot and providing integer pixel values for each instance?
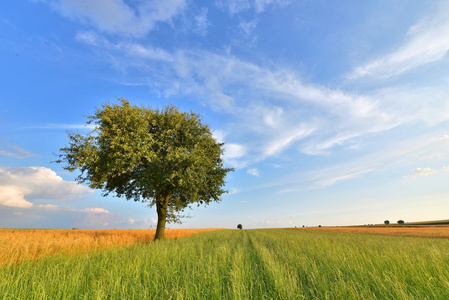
(247, 264)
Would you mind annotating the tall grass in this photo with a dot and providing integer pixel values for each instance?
(253, 264)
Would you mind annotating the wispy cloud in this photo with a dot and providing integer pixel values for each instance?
(238, 6)
(400, 154)
(8, 149)
(424, 171)
(117, 17)
(425, 42)
(253, 172)
(248, 26)
(66, 126)
(275, 110)
(201, 22)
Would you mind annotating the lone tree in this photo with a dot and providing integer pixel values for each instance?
(239, 226)
(401, 222)
(386, 222)
(164, 157)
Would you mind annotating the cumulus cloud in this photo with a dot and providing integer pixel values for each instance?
(424, 171)
(130, 221)
(117, 17)
(19, 186)
(13, 196)
(426, 42)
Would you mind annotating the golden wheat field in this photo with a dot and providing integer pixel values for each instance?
(433, 231)
(19, 244)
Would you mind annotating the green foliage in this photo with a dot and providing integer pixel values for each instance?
(386, 222)
(165, 157)
(250, 264)
(401, 222)
(239, 226)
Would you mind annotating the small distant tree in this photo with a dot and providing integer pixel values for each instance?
(166, 158)
(239, 226)
(386, 222)
(401, 222)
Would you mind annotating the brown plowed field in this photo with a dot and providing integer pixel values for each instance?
(19, 244)
(434, 231)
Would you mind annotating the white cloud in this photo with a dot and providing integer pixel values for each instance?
(20, 185)
(287, 138)
(146, 52)
(93, 210)
(13, 196)
(233, 151)
(130, 221)
(48, 206)
(273, 117)
(253, 172)
(426, 42)
(219, 135)
(153, 221)
(424, 171)
(128, 48)
(116, 16)
(233, 191)
(345, 175)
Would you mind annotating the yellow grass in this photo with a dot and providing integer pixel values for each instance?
(441, 231)
(19, 244)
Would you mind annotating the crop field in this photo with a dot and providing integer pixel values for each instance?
(19, 244)
(434, 231)
(242, 264)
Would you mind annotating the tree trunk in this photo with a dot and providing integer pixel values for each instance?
(161, 208)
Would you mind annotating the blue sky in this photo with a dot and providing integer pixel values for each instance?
(333, 112)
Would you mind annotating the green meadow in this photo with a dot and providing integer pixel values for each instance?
(243, 264)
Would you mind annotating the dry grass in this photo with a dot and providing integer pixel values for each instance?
(19, 244)
(434, 231)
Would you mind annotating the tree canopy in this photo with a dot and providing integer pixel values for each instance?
(164, 157)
